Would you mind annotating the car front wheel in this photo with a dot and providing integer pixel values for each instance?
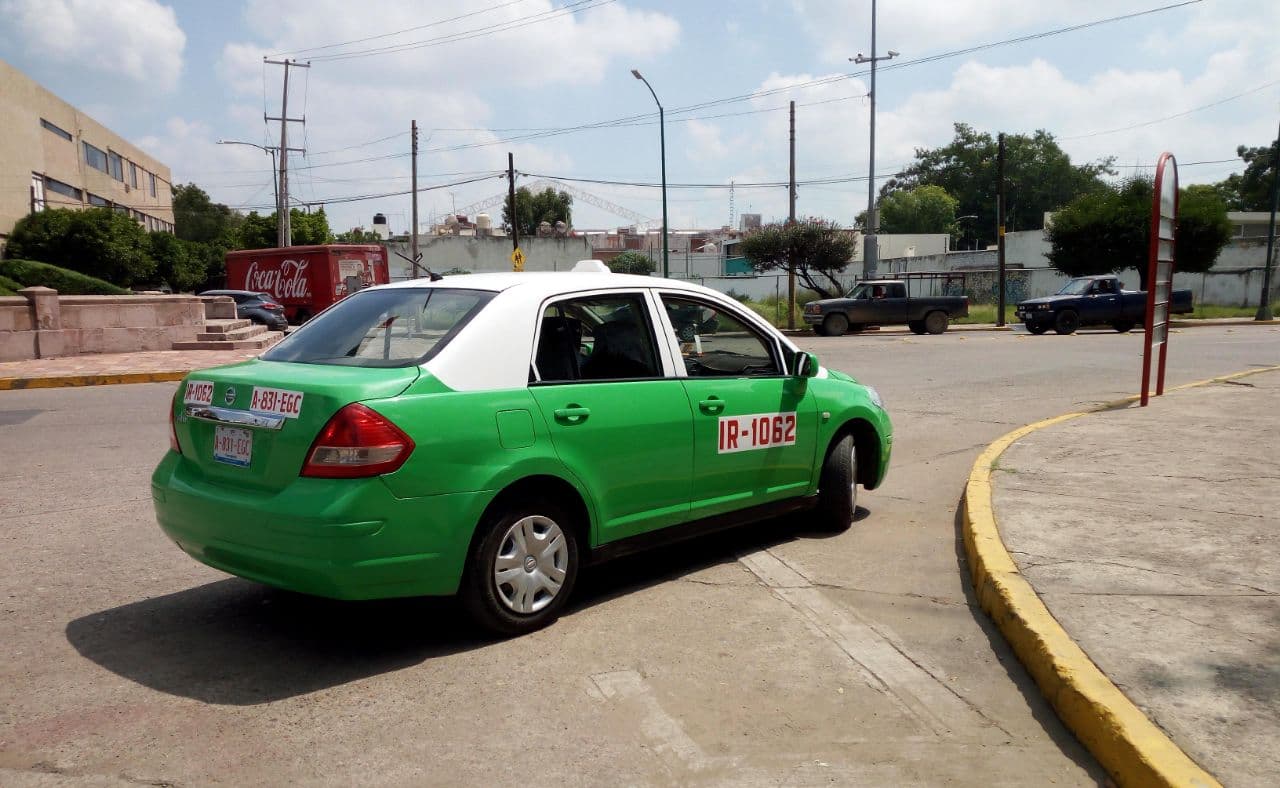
(838, 486)
(1037, 328)
(1066, 322)
(522, 570)
(835, 325)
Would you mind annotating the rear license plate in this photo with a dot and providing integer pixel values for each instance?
(232, 445)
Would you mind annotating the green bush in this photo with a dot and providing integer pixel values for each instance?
(9, 287)
(97, 242)
(65, 281)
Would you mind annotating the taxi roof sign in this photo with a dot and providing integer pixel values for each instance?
(591, 267)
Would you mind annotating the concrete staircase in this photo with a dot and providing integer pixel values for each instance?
(231, 334)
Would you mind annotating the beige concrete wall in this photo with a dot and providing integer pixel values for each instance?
(41, 324)
(26, 147)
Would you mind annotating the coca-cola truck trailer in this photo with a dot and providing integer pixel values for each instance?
(307, 279)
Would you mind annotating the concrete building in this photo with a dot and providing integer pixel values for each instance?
(52, 155)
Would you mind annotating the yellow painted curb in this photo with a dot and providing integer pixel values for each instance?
(67, 381)
(1132, 749)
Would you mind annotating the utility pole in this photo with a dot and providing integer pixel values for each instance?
(511, 201)
(870, 254)
(1000, 222)
(1264, 303)
(413, 233)
(284, 232)
(791, 219)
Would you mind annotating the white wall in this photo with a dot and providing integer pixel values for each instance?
(480, 255)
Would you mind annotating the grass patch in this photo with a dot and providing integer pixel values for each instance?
(1211, 312)
(986, 313)
(67, 282)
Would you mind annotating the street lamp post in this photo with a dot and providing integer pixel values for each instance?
(662, 143)
(870, 254)
(275, 185)
(967, 216)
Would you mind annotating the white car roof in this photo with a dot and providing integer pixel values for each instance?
(494, 349)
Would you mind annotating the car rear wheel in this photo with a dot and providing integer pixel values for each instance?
(1066, 322)
(936, 322)
(838, 486)
(522, 570)
(1036, 328)
(835, 325)
(916, 326)
(1123, 326)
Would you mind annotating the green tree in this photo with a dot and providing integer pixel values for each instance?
(98, 242)
(1039, 174)
(814, 250)
(1250, 191)
(357, 235)
(632, 262)
(1109, 231)
(180, 263)
(547, 205)
(259, 232)
(924, 209)
(198, 218)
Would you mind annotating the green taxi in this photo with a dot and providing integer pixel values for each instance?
(488, 435)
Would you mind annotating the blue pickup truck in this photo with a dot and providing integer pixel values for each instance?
(1094, 301)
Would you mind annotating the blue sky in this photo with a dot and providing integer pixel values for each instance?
(176, 77)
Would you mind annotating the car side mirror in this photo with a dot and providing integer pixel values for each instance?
(804, 364)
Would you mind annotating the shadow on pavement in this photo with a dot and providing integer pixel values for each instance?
(236, 642)
(1036, 702)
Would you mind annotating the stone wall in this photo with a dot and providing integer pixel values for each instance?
(39, 323)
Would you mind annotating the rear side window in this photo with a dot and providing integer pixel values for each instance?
(596, 338)
(382, 328)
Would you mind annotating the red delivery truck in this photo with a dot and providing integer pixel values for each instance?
(306, 279)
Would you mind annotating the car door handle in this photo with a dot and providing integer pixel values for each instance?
(711, 405)
(573, 414)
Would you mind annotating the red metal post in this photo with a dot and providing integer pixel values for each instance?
(1160, 267)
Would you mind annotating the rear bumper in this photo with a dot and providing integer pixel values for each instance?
(347, 540)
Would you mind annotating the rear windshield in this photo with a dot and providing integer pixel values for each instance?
(382, 328)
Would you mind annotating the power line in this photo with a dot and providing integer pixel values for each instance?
(573, 8)
(400, 32)
(1176, 115)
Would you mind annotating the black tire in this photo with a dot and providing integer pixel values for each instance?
(835, 324)
(819, 330)
(1066, 322)
(1037, 328)
(1123, 326)
(916, 326)
(838, 486)
(857, 328)
(483, 596)
(936, 322)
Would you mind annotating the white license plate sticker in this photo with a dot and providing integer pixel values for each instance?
(276, 402)
(756, 431)
(198, 392)
(232, 445)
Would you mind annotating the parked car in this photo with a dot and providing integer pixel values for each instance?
(489, 435)
(883, 303)
(258, 307)
(1094, 301)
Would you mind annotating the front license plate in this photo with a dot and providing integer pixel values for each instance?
(232, 445)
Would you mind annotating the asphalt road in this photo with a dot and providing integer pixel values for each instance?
(762, 656)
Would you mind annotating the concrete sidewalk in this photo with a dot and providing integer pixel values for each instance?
(1150, 534)
(107, 368)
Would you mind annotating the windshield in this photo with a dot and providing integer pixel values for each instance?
(1076, 287)
(382, 328)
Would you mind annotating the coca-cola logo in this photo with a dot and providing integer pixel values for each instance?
(289, 280)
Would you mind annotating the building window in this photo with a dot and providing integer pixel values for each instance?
(121, 209)
(63, 133)
(95, 158)
(37, 193)
(97, 201)
(117, 166)
(58, 187)
(133, 175)
(153, 184)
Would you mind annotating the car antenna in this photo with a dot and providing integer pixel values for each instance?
(418, 264)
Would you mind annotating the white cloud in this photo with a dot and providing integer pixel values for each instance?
(137, 39)
(706, 141)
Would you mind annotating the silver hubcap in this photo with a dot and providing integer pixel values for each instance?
(853, 485)
(531, 564)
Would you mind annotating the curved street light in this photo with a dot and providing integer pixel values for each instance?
(662, 143)
(275, 186)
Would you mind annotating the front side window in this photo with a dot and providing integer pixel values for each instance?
(606, 337)
(95, 157)
(715, 343)
(383, 328)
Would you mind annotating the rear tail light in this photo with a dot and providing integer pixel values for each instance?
(357, 442)
(271, 305)
(173, 431)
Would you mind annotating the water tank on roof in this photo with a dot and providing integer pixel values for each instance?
(380, 226)
(484, 221)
